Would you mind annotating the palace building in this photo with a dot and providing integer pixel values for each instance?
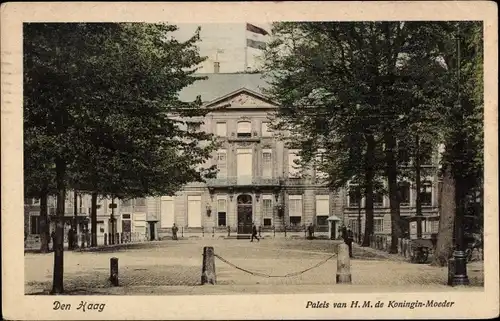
(257, 181)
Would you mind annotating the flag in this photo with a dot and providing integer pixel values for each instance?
(256, 44)
(255, 29)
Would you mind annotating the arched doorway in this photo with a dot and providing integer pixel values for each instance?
(244, 214)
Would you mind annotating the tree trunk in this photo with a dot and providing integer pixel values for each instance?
(93, 220)
(58, 275)
(444, 245)
(369, 176)
(44, 222)
(392, 177)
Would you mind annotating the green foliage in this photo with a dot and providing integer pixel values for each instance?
(104, 96)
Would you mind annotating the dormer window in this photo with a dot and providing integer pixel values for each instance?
(244, 129)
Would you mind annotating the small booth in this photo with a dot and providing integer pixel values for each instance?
(421, 245)
(333, 222)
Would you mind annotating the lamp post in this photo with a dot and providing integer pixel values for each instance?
(460, 267)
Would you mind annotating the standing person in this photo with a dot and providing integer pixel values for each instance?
(254, 233)
(70, 239)
(344, 232)
(53, 237)
(174, 232)
(348, 240)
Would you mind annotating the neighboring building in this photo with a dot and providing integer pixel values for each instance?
(257, 181)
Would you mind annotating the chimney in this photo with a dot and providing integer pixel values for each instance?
(216, 67)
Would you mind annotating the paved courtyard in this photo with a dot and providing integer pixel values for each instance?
(174, 267)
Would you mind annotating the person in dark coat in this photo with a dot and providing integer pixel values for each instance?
(254, 233)
(348, 240)
(174, 232)
(53, 237)
(344, 232)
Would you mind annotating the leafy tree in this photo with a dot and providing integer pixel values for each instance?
(113, 123)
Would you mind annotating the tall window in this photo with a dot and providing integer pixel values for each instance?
(293, 168)
(221, 129)
(221, 163)
(403, 153)
(267, 164)
(378, 225)
(266, 131)
(319, 163)
(244, 129)
(267, 209)
(425, 153)
(221, 211)
(140, 202)
(404, 192)
(378, 199)
(322, 209)
(426, 194)
(295, 209)
(354, 198)
(35, 225)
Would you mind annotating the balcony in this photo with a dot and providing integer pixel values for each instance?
(243, 181)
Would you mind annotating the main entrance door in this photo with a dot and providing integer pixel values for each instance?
(244, 214)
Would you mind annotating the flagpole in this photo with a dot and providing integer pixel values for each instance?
(246, 51)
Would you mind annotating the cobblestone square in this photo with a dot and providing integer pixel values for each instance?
(170, 267)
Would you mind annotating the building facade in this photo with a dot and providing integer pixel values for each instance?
(257, 183)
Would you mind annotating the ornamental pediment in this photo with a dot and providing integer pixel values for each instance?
(242, 98)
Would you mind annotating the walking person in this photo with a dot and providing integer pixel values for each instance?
(348, 240)
(254, 233)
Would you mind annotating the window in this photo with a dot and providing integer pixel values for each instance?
(403, 154)
(378, 225)
(426, 194)
(293, 168)
(221, 163)
(322, 209)
(322, 220)
(193, 126)
(354, 198)
(35, 225)
(126, 216)
(266, 131)
(378, 199)
(353, 223)
(35, 201)
(244, 129)
(425, 153)
(268, 222)
(319, 163)
(267, 165)
(221, 211)
(221, 129)
(295, 220)
(267, 207)
(126, 203)
(140, 202)
(295, 209)
(404, 193)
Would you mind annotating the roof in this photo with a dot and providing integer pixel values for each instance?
(218, 85)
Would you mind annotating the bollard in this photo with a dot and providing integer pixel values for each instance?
(213, 232)
(343, 264)
(229, 231)
(285, 231)
(202, 231)
(113, 267)
(451, 270)
(274, 232)
(208, 268)
(182, 231)
(105, 239)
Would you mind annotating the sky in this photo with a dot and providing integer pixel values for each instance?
(227, 38)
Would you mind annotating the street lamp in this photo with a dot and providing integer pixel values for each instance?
(460, 263)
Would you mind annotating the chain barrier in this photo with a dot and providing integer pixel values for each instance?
(275, 276)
